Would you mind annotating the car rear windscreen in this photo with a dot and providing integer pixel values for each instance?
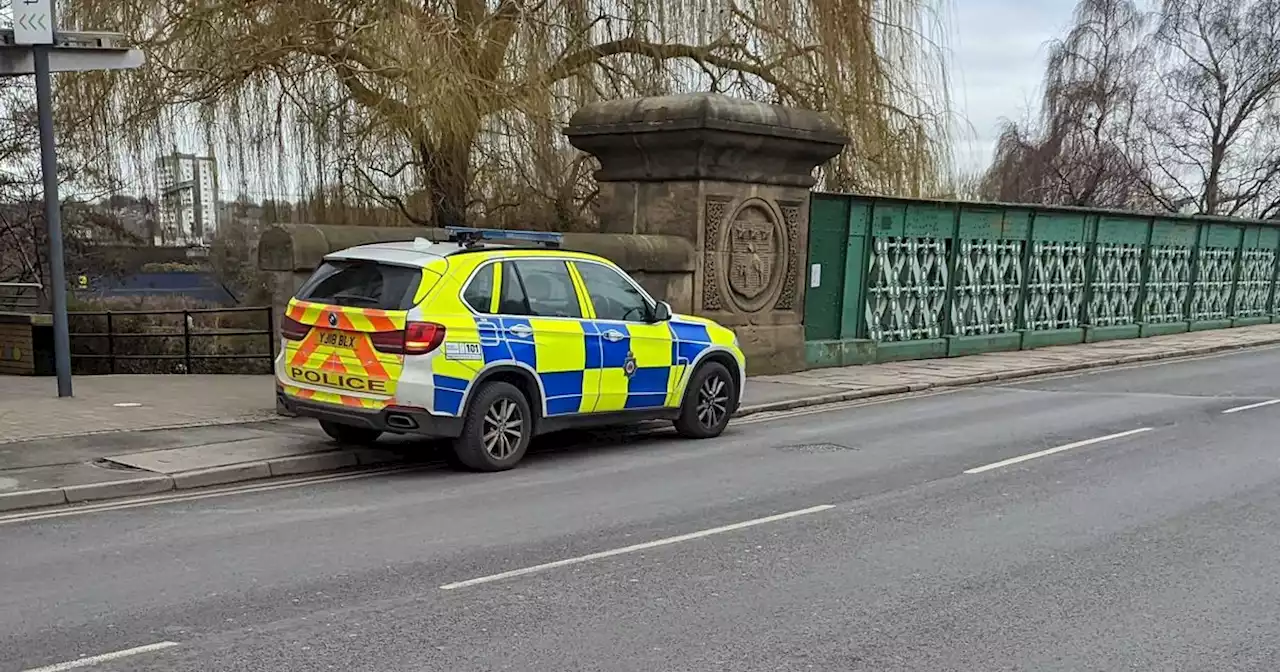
(362, 284)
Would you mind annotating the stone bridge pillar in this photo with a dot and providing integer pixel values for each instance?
(733, 177)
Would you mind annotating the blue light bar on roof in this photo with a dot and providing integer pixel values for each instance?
(466, 233)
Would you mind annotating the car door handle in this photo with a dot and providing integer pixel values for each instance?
(520, 330)
(613, 336)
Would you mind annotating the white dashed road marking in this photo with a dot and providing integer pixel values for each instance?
(635, 548)
(1250, 407)
(103, 658)
(1051, 451)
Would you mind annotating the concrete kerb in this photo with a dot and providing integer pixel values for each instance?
(367, 457)
(1030, 372)
(132, 487)
(221, 475)
(820, 400)
(28, 499)
(310, 464)
(296, 465)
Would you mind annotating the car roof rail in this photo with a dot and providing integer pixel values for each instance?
(470, 237)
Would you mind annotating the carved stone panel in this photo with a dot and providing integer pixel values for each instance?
(747, 258)
(716, 210)
(791, 215)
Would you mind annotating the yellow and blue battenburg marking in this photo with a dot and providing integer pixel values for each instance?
(451, 378)
(581, 369)
(583, 364)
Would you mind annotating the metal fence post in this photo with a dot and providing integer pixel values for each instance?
(1275, 277)
(111, 343)
(949, 293)
(1144, 275)
(186, 339)
(1028, 252)
(1237, 270)
(271, 333)
(1084, 314)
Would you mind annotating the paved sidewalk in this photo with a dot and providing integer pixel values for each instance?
(853, 382)
(209, 430)
(30, 407)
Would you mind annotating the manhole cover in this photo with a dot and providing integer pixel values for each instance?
(815, 448)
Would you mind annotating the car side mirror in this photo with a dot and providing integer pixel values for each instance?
(662, 312)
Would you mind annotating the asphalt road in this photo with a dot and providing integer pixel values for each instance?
(1157, 549)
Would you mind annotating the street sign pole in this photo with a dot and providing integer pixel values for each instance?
(35, 24)
(35, 46)
(53, 219)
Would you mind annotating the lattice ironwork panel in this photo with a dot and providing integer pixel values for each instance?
(1215, 271)
(1117, 284)
(1254, 288)
(1168, 282)
(907, 288)
(1055, 285)
(988, 287)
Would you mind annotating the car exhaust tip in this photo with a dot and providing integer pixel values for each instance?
(401, 421)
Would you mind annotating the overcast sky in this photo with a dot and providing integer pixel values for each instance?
(998, 53)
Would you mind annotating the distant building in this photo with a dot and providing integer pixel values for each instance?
(119, 220)
(188, 206)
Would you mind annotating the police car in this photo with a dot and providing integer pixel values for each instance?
(490, 339)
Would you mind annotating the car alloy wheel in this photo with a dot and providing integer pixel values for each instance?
(502, 429)
(713, 401)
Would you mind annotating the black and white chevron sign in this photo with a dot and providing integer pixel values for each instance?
(32, 22)
(36, 22)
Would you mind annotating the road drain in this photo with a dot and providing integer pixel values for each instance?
(815, 448)
(104, 463)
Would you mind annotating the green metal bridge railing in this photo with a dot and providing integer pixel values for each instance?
(912, 279)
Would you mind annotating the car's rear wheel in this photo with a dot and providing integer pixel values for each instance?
(496, 430)
(709, 401)
(358, 436)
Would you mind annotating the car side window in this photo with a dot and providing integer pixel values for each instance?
(546, 286)
(479, 293)
(511, 300)
(613, 297)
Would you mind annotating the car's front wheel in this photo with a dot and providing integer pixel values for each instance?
(496, 430)
(709, 401)
(350, 434)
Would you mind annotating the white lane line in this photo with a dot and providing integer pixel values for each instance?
(635, 548)
(1051, 451)
(1250, 407)
(104, 658)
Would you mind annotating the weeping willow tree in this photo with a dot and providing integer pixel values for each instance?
(446, 109)
(1081, 149)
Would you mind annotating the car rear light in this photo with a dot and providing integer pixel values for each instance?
(388, 341)
(422, 337)
(417, 338)
(293, 330)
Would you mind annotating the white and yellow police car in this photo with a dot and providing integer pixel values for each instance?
(491, 338)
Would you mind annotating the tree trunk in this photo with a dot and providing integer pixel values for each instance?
(446, 173)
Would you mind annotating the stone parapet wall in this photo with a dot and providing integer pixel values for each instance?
(664, 265)
(733, 177)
